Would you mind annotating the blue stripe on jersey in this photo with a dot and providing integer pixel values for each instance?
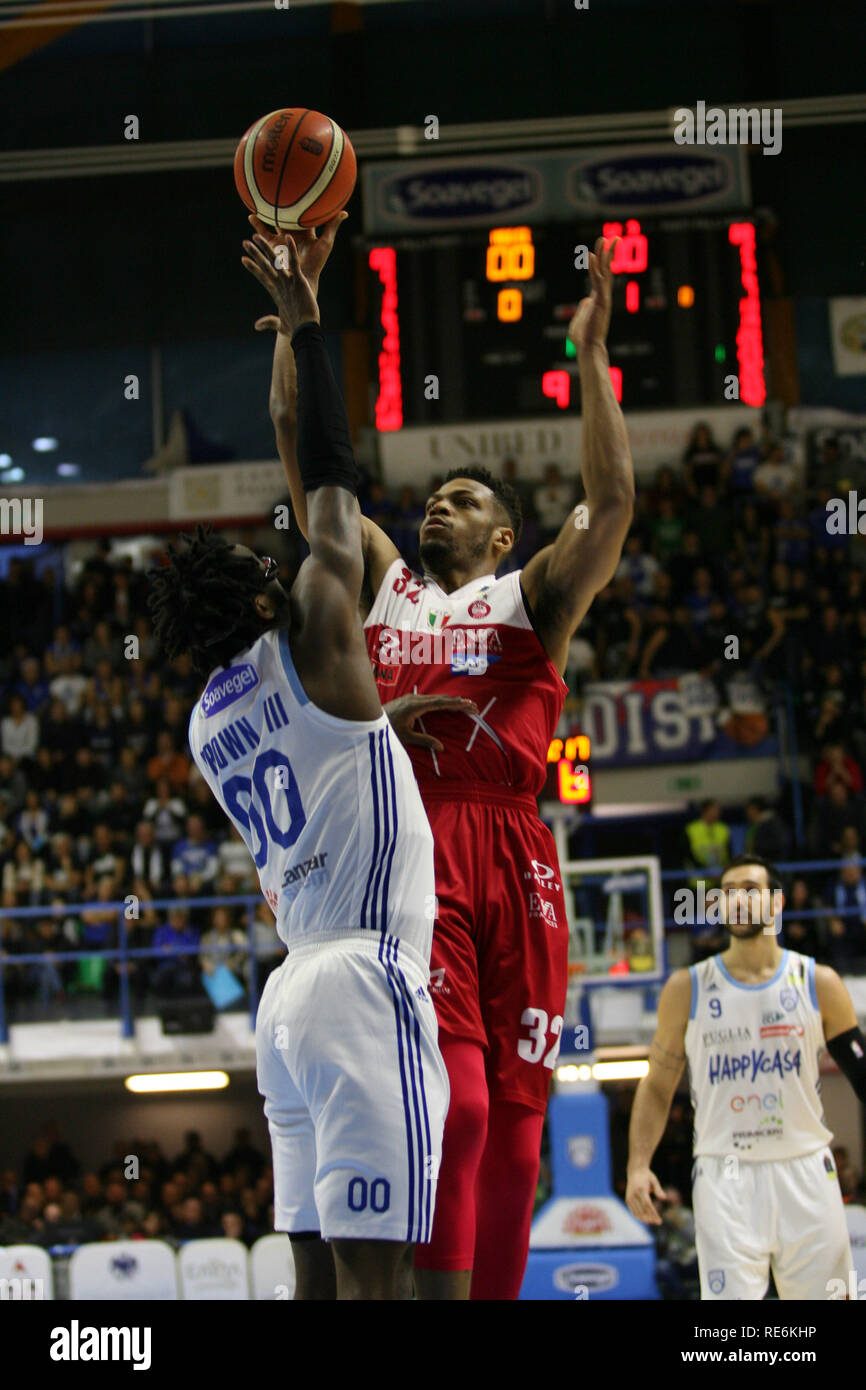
(813, 993)
(738, 984)
(298, 690)
(426, 1148)
(693, 971)
(393, 790)
(374, 858)
(407, 1109)
(388, 812)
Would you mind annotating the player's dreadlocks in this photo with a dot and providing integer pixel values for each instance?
(201, 601)
(503, 492)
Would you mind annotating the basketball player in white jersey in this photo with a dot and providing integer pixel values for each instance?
(290, 736)
(751, 1023)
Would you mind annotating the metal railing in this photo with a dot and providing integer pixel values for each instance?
(124, 953)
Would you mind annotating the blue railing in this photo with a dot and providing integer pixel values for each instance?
(124, 953)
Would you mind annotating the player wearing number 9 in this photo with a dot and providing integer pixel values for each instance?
(290, 735)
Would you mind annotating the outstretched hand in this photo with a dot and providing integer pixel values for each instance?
(278, 268)
(313, 252)
(592, 318)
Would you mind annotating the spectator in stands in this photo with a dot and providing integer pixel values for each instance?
(148, 861)
(703, 461)
(167, 764)
(193, 1224)
(178, 974)
(677, 1266)
(638, 564)
(32, 823)
(740, 465)
(167, 813)
(847, 930)
(19, 730)
(69, 685)
(100, 645)
(49, 976)
(774, 479)
(666, 530)
(32, 688)
(221, 935)
(802, 932)
(103, 860)
(23, 877)
(194, 860)
(671, 646)
(699, 599)
(236, 860)
(552, 500)
(616, 632)
(767, 835)
(707, 844)
(791, 536)
(244, 1155)
(829, 470)
(195, 1155)
(60, 647)
(117, 1210)
(830, 816)
(139, 733)
(837, 766)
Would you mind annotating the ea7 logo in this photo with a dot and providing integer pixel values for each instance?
(437, 981)
(539, 907)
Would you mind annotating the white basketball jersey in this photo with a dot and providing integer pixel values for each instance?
(328, 808)
(753, 1062)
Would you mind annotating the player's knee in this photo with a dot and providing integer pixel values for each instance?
(466, 1123)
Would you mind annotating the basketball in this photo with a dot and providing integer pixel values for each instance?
(295, 168)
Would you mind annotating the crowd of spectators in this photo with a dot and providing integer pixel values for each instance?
(100, 802)
(139, 1193)
(99, 799)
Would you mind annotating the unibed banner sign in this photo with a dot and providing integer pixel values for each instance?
(486, 190)
(656, 437)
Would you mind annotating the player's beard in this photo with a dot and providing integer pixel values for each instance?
(438, 553)
(745, 931)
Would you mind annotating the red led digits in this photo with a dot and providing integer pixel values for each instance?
(750, 338)
(389, 402)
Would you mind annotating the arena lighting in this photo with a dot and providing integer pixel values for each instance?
(620, 1071)
(177, 1081)
(389, 402)
(15, 475)
(685, 296)
(631, 1070)
(68, 470)
(44, 444)
(5, 460)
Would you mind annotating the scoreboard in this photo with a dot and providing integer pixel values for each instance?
(472, 325)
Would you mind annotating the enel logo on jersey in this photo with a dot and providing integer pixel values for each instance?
(227, 687)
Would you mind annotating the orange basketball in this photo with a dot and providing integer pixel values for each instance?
(295, 168)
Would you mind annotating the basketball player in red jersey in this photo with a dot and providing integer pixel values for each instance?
(499, 962)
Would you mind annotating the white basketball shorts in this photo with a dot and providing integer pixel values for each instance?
(355, 1089)
(783, 1214)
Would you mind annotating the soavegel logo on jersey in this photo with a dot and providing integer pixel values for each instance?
(637, 181)
(460, 193)
(227, 687)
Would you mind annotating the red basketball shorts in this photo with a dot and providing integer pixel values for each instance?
(499, 964)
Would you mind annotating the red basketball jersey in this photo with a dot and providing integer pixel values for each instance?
(477, 642)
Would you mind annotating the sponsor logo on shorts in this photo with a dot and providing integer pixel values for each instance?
(544, 875)
(828, 1164)
(272, 898)
(540, 907)
(716, 1280)
(422, 994)
(437, 981)
(595, 1278)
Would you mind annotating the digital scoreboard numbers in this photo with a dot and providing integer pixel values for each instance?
(486, 313)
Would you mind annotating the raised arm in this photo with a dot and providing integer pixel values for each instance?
(313, 251)
(561, 581)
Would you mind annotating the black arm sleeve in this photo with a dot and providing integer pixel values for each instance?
(325, 454)
(848, 1051)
